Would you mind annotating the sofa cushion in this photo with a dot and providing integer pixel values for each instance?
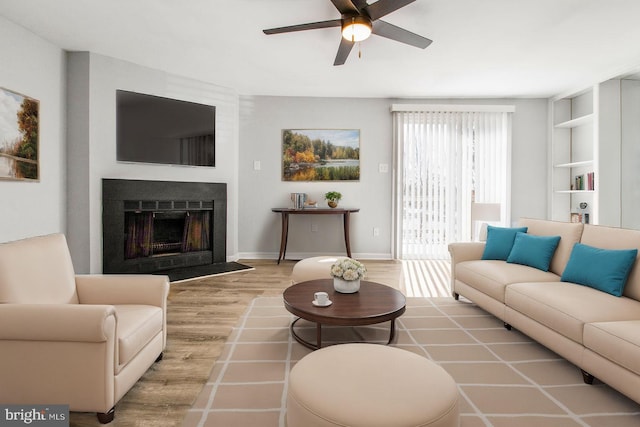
(616, 238)
(534, 251)
(136, 326)
(569, 235)
(500, 241)
(491, 277)
(566, 307)
(603, 269)
(617, 341)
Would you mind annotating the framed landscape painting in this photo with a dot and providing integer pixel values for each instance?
(19, 136)
(321, 155)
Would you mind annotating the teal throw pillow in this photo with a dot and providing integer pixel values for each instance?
(604, 269)
(534, 251)
(500, 241)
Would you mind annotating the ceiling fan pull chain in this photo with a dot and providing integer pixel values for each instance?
(359, 51)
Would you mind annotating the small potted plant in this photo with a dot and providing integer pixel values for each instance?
(332, 198)
(346, 274)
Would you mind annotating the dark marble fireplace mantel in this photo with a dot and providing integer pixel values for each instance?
(117, 198)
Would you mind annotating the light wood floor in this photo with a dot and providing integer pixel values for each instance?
(201, 314)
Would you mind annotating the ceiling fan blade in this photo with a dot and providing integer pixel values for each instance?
(343, 51)
(345, 6)
(360, 4)
(303, 27)
(384, 29)
(384, 7)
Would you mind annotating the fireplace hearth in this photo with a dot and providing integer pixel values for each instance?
(154, 226)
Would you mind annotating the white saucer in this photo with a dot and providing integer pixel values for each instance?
(329, 302)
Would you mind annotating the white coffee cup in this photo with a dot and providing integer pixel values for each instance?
(321, 298)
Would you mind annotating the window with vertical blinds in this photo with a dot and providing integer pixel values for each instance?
(445, 158)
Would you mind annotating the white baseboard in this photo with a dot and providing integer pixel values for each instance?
(302, 255)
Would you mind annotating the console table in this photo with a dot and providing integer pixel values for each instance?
(285, 212)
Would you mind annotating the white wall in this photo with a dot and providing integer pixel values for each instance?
(630, 158)
(92, 136)
(608, 150)
(32, 66)
(529, 159)
(261, 122)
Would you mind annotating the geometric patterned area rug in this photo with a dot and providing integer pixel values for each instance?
(504, 378)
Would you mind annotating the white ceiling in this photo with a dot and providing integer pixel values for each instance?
(481, 48)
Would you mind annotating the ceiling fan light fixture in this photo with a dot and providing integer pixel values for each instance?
(356, 28)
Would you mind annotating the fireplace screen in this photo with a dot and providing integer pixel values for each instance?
(163, 233)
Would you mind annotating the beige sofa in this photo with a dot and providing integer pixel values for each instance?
(77, 340)
(596, 331)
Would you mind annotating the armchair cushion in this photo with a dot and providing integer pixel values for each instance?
(137, 326)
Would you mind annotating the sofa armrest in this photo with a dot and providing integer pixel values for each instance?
(57, 322)
(116, 289)
(465, 251)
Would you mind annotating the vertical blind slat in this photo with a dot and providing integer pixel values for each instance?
(445, 158)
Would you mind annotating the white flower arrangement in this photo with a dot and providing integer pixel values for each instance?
(348, 269)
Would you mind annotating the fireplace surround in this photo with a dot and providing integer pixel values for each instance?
(155, 226)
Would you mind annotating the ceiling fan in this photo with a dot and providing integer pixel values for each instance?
(359, 20)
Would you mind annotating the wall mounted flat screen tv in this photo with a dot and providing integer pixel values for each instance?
(153, 129)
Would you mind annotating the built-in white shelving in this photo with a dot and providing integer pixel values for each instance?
(578, 121)
(573, 155)
(585, 154)
(574, 191)
(575, 164)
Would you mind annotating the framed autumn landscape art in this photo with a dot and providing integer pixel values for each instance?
(321, 155)
(19, 136)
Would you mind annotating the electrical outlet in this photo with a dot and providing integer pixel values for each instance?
(376, 232)
(383, 168)
(256, 165)
(314, 227)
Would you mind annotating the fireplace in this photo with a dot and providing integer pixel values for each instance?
(153, 226)
(161, 232)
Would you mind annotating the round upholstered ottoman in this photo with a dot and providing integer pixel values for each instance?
(318, 267)
(370, 385)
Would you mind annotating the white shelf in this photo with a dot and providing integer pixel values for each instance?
(574, 123)
(575, 164)
(574, 147)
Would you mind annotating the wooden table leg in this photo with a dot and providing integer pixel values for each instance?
(392, 332)
(346, 218)
(284, 236)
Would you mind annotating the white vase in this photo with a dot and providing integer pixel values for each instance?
(346, 286)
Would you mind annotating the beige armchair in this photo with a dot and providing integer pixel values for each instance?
(78, 340)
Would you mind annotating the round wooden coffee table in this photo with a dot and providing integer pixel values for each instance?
(373, 303)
